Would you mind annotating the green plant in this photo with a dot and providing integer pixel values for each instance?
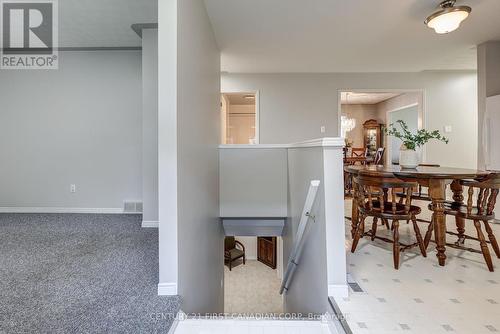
(413, 140)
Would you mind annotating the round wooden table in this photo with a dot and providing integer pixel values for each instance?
(436, 179)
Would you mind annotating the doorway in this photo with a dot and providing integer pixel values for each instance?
(365, 113)
(240, 118)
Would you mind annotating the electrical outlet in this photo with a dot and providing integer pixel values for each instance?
(72, 188)
(323, 129)
(448, 129)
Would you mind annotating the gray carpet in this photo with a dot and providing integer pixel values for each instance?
(77, 273)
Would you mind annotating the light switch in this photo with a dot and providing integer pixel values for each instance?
(323, 129)
(448, 129)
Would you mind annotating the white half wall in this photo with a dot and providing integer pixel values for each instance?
(293, 107)
(322, 267)
(80, 124)
(253, 182)
(150, 127)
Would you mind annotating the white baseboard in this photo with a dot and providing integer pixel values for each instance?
(150, 224)
(167, 289)
(63, 210)
(338, 290)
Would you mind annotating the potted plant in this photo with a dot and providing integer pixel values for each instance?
(408, 155)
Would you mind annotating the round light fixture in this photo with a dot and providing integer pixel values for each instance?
(448, 18)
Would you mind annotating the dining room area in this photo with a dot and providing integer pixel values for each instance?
(421, 242)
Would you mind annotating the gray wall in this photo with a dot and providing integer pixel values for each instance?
(198, 124)
(253, 182)
(293, 107)
(488, 68)
(309, 288)
(150, 125)
(76, 125)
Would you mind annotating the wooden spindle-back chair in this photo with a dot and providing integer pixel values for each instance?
(481, 196)
(376, 197)
(379, 156)
(358, 152)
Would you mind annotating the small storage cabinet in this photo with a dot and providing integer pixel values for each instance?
(372, 134)
(266, 251)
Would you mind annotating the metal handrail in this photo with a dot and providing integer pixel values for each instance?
(293, 260)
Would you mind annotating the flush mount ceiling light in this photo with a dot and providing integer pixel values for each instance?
(448, 18)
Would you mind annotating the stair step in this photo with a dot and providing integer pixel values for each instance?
(195, 326)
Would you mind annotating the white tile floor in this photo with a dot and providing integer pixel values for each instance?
(252, 288)
(229, 326)
(421, 297)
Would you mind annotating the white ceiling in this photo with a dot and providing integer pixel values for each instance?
(103, 23)
(365, 98)
(346, 35)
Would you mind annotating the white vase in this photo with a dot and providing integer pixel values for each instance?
(408, 159)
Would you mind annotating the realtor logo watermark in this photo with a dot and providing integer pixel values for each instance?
(29, 34)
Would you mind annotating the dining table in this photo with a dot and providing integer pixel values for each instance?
(437, 179)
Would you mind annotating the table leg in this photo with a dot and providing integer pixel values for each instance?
(458, 198)
(437, 192)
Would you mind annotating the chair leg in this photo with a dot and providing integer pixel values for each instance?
(428, 234)
(419, 236)
(244, 259)
(230, 265)
(492, 238)
(484, 245)
(360, 230)
(395, 246)
(374, 228)
(386, 223)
